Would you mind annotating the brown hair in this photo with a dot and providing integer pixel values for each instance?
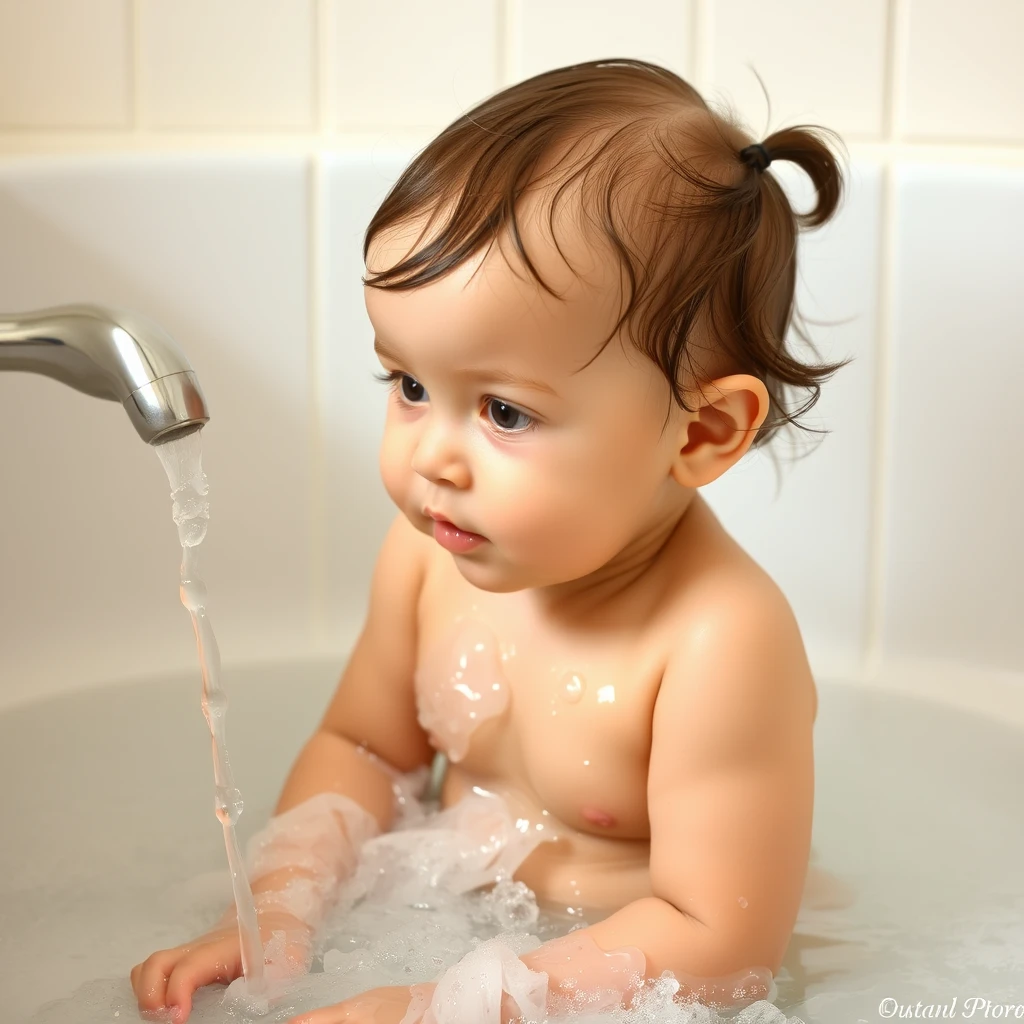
(706, 237)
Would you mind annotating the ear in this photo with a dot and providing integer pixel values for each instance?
(718, 434)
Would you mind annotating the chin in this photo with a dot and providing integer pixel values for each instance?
(489, 578)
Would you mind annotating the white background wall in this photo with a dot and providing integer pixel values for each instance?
(214, 163)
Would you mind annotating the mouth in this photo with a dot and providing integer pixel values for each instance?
(453, 537)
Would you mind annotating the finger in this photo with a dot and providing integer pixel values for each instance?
(209, 964)
(149, 979)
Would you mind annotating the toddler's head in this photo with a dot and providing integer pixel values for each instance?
(581, 291)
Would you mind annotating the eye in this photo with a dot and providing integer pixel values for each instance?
(507, 417)
(411, 389)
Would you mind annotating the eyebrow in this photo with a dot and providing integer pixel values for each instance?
(495, 374)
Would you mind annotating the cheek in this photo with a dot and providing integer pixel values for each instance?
(574, 507)
(393, 461)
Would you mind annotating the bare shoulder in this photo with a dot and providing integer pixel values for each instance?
(730, 618)
(746, 636)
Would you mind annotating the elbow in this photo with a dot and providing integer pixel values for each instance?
(748, 946)
(733, 942)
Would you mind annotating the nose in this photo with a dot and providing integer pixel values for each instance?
(438, 455)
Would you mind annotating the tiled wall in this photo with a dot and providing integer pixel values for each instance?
(214, 163)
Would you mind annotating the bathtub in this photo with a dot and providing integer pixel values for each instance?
(111, 849)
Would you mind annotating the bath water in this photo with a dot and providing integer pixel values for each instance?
(917, 815)
(182, 461)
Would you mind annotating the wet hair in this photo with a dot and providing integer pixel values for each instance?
(706, 237)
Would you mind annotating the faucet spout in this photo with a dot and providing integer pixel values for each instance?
(111, 354)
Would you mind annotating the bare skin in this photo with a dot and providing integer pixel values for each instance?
(655, 706)
(580, 768)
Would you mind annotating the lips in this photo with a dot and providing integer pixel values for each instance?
(438, 518)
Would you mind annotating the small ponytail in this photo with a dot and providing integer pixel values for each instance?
(804, 145)
(756, 156)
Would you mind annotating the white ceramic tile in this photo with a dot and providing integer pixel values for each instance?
(226, 63)
(64, 63)
(408, 63)
(811, 532)
(553, 33)
(820, 62)
(359, 510)
(954, 584)
(964, 77)
(215, 250)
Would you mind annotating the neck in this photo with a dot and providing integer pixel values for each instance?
(581, 598)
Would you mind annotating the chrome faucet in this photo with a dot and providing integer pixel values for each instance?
(112, 354)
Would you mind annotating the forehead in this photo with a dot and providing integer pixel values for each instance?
(491, 305)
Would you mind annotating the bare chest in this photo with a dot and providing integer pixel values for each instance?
(559, 722)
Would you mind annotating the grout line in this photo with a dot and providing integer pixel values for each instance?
(315, 69)
(135, 13)
(501, 35)
(892, 78)
(896, 60)
(701, 47)
(888, 70)
(317, 468)
(73, 139)
(882, 432)
(510, 24)
(324, 78)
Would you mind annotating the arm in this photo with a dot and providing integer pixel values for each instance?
(335, 797)
(730, 799)
(373, 712)
(374, 706)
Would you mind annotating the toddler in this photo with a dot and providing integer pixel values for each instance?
(580, 294)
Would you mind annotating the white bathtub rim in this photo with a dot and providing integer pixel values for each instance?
(990, 693)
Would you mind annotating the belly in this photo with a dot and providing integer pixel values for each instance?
(573, 870)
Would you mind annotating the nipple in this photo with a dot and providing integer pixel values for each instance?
(460, 685)
(597, 817)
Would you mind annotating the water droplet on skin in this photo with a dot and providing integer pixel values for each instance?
(743, 903)
(572, 688)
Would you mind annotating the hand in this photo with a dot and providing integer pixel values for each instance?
(386, 1005)
(167, 979)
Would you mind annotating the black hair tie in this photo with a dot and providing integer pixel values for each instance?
(756, 156)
